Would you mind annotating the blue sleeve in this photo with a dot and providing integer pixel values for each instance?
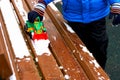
(48, 1)
(114, 1)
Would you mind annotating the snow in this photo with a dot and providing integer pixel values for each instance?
(61, 67)
(86, 50)
(92, 61)
(41, 46)
(69, 28)
(53, 6)
(54, 37)
(95, 63)
(56, 1)
(17, 40)
(19, 5)
(67, 77)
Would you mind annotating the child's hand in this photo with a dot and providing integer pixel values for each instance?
(115, 14)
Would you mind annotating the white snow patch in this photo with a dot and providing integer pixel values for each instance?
(65, 70)
(21, 9)
(86, 50)
(67, 77)
(81, 57)
(12, 77)
(73, 51)
(53, 6)
(101, 78)
(61, 67)
(56, 1)
(36, 59)
(17, 40)
(27, 59)
(41, 46)
(69, 28)
(95, 63)
(54, 37)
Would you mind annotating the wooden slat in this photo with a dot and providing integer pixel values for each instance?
(5, 68)
(27, 69)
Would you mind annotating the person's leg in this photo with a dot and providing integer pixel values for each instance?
(94, 37)
(99, 39)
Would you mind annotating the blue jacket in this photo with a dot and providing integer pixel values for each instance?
(85, 11)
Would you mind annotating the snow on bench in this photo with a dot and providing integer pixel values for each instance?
(18, 43)
(23, 59)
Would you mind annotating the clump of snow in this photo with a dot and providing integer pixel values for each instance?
(41, 46)
(65, 70)
(56, 1)
(81, 57)
(36, 59)
(61, 67)
(101, 78)
(86, 50)
(69, 28)
(95, 63)
(67, 77)
(12, 77)
(73, 51)
(54, 37)
(27, 59)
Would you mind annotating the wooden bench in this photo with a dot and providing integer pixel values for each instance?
(67, 59)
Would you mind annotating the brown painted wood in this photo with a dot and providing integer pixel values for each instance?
(49, 68)
(27, 69)
(5, 69)
(63, 53)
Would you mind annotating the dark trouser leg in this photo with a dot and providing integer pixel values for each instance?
(95, 38)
